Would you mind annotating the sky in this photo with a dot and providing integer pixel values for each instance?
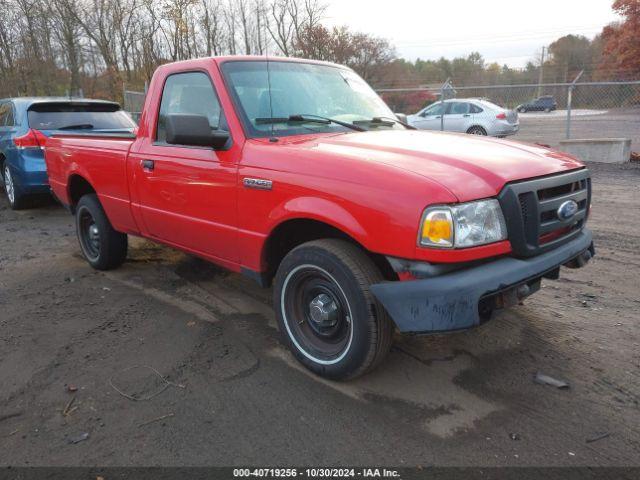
(510, 32)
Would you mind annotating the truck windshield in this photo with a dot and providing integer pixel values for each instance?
(302, 90)
(79, 116)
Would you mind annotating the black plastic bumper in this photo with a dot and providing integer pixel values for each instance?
(451, 301)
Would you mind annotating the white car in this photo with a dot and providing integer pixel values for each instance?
(467, 115)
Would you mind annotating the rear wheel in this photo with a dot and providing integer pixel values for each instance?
(16, 200)
(477, 130)
(327, 315)
(102, 246)
(522, 110)
(547, 110)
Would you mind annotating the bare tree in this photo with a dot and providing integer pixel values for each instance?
(280, 26)
(211, 26)
(98, 46)
(97, 18)
(68, 31)
(244, 20)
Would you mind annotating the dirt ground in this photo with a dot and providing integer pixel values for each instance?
(236, 397)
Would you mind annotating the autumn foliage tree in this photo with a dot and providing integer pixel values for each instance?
(621, 42)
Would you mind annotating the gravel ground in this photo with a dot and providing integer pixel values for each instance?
(236, 396)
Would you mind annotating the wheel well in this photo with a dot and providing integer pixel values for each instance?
(288, 235)
(78, 187)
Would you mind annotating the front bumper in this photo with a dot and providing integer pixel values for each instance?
(452, 301)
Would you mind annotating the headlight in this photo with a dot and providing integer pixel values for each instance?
(464, 225)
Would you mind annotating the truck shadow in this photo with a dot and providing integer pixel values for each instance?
(444, 380)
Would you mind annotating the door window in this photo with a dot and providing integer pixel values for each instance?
(189, 93)
(459, 108)
(435, 109)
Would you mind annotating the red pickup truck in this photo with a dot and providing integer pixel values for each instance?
(295, 172)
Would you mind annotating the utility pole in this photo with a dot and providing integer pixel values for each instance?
(541, 75)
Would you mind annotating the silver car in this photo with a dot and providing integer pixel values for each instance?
(467, 115)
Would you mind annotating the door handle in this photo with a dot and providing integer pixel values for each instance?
(148, 165)
(466, 115)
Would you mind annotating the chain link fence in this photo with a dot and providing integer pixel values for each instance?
(133, 103)
(545, 113)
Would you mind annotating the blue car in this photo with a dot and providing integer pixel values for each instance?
(25, 125)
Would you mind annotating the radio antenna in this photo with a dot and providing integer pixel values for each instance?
(273, 137)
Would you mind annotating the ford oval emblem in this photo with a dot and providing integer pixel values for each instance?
(567, 210)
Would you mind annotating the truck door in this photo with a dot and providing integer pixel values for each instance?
(187, 195)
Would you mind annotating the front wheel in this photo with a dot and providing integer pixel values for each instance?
(102, 246)
(326, 313)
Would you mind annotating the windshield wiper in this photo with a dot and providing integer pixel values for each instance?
(80, 126)
(385, 121)
(303, 117)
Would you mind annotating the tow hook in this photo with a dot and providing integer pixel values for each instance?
(582, 259)
(515, 296)
(523, 291)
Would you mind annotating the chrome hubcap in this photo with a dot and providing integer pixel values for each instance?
(323, 311)
(8, 184)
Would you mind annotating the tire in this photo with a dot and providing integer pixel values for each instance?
(522, 110)
(101, 245)
(477, 130)
(347, 332)
(547, 110)
(17, 201)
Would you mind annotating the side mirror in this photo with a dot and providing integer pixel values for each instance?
(194, 130)
(402, 117)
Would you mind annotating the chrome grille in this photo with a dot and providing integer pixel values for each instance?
(531, 211)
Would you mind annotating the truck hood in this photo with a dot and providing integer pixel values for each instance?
(469, 166)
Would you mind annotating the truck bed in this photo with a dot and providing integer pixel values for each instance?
(101, 159)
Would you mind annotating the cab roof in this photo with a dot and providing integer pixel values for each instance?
(246, 58)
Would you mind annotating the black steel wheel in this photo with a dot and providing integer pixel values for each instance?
(317, 314)
(88, 233)
(102, 246)
(326, 313)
